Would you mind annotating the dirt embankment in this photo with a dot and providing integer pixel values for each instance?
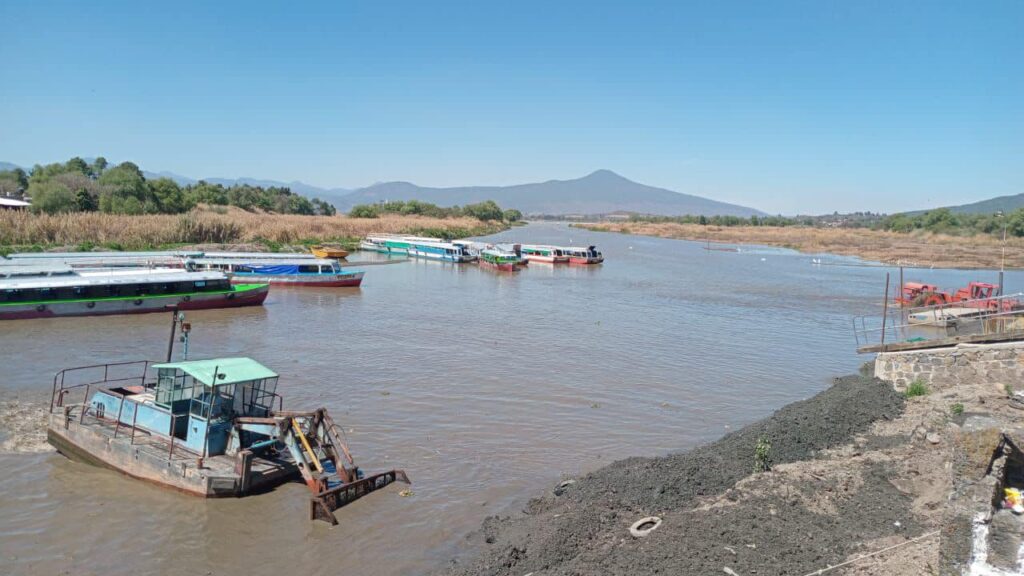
(851, 473)
(914, 249)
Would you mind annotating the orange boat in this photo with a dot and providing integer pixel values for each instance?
(328, 251)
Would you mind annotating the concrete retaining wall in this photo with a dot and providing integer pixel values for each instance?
(940, 368)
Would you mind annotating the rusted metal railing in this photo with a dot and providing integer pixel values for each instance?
(978, 317)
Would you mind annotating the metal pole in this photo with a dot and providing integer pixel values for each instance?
(901, 287)
(885, 309)
(174, 324)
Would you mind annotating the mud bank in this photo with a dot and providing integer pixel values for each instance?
(718, 516)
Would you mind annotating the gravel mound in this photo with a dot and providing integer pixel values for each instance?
(580, 531)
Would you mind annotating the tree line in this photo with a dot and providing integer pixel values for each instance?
(79, 186)
(486, 210)
(938, 221)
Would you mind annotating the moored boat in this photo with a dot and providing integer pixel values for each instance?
(282, 271)
(323, 251)
(436, 250)
(393, 243)
(209, 428)
(583, 255)
(541, 253)
(499, 259)
(56, 289)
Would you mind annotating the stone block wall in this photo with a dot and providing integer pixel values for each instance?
(940, 368)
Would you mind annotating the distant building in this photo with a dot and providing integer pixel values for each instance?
(13, 204)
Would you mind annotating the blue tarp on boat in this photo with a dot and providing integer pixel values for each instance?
(277, 269)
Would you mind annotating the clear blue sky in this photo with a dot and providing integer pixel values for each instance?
(807, 107)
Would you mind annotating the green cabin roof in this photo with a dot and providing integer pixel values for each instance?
(233, 370)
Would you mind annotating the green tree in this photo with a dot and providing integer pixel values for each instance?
(52, 198)
(76, 164)
(363, 211)
(486, 210)
(11, 184)
(512, 215)
(98, 166)
(85, 201)
(941, 220)
(168, 196)
(122, 183)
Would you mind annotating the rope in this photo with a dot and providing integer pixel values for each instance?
(875, 553)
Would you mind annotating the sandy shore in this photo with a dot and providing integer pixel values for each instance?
(914, 249)
(860, 477)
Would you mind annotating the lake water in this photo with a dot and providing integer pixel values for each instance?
(486, 387)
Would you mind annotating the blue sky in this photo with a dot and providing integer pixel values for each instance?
(789, 107)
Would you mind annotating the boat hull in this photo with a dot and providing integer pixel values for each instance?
(547, 259)
(584, 260)
(504, 267)
(147, 459)
(250, 296)
(348, 279)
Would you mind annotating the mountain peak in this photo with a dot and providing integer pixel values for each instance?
(605, 175)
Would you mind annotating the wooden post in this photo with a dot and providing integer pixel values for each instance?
(885, 309)
(244, 470)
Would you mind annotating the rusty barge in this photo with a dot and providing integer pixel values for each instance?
(211, 428)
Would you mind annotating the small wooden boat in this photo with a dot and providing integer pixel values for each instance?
(210, 428)
(283, 272)
(54, 289)
(499, 259)
(335, 252)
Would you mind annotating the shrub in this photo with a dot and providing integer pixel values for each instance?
(956, 409)
(916, 388)
(762, 455)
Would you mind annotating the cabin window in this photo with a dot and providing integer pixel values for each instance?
(199, 285)
(308, 269)
(171, 387)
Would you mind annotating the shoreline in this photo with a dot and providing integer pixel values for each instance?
(890, 248)
(859, 474)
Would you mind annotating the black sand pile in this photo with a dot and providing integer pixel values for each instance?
(584, 530)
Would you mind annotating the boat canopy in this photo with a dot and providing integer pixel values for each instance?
(110, 277)
(264, 262)
(9, 270)
(105, 255)
(227, 370)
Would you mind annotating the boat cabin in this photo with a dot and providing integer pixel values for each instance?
(195, 402)
(269, 267)
(59, 283)
(581, 255)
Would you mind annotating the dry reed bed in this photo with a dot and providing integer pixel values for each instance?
(920, 248)
(204, 226)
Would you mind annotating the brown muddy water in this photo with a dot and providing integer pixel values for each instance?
(486, 387)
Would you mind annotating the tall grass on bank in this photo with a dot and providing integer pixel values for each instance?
(918, 248)
(208, 227)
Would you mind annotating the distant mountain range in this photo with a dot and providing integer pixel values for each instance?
(1005, 204)
(601, 192)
